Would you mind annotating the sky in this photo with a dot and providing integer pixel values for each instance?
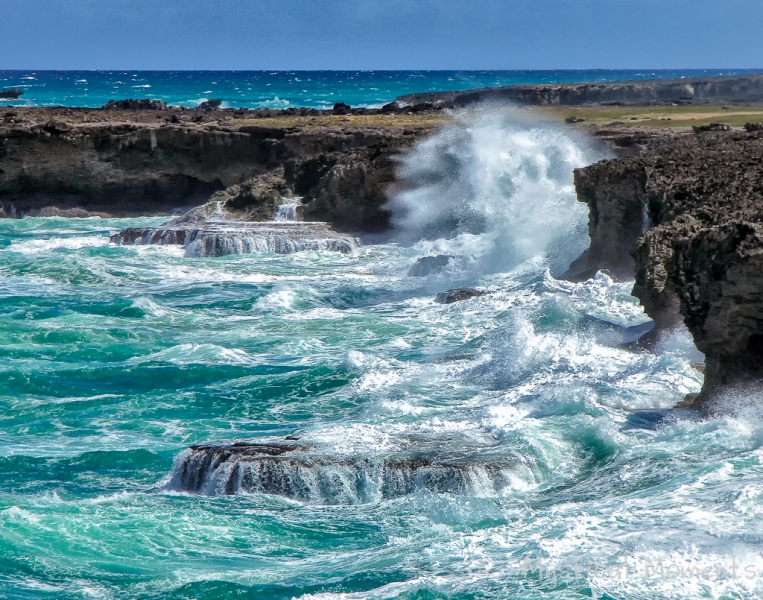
(380, 34)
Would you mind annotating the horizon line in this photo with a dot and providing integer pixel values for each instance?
(602, 69)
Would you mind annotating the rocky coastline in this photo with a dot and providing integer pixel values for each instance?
(142, 157)
(686, 217)
(707, 90)
(139, 158)
(679, 209)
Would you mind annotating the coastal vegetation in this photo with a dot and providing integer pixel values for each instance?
(655, 116)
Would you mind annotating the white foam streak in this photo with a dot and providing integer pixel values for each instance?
(40, 246)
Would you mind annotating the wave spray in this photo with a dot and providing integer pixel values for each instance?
(496, 188)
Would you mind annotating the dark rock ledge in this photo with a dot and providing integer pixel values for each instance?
(139, 158)
(307, 473)
(686, 217)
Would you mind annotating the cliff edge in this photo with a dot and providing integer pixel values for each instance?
(155, 160)
(686, 217)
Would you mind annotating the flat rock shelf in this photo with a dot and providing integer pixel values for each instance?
(305, 473)
(222, 238)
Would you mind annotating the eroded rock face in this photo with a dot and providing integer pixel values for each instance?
(700, 257)
(121, 170)
(718, 276)
(615, 192)
(352, 193)
(133, 158)
(344, 188)
(256, 199)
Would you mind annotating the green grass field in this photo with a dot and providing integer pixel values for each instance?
(654, 116)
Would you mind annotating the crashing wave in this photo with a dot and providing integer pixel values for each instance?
(496, 189)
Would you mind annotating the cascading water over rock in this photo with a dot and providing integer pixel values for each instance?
(279, 237)
(290, 210)
(302, 473)
(285, 235)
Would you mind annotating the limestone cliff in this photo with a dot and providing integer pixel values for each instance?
(345, 187)
(122, 162)
(687, 218)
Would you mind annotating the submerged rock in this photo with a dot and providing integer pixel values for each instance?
(653, 420)
(458, 294)
(211, 104)
(635, 337)
(12, 94)
(427, 265)
(302, 472)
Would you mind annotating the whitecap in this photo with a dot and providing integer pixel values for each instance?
(39, 246)
(188, 354)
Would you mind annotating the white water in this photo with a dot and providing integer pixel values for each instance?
(117, 359)
(286, 234)
(329, 478)
(496, 189)
(277, 237)
(288, 210)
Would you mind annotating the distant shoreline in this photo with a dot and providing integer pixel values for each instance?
(704, 90)
(310, 89)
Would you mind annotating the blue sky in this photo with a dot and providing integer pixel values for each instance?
(380, 34)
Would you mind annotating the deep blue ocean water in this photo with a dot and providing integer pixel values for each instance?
(282, 89)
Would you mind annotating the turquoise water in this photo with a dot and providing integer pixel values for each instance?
(116, 359)
(282, 89)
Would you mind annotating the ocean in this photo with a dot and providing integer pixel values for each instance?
(576, 483)
(284, 89)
